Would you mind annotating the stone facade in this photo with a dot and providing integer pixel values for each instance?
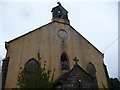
(75, 79)
(47, 44)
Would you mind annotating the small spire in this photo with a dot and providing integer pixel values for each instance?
(76, 60)
(59, 3)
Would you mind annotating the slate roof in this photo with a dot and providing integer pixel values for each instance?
(75, 76)
(69, 72)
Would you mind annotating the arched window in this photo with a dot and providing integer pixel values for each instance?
(91, 69)
(31, 71)
(33, 76)
(31, 66)
(59, 14)
(64, 62)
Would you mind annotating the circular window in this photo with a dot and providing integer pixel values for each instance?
(62, 34)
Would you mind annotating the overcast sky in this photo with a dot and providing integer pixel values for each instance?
(96, 21)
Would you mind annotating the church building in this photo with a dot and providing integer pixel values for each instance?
(72, 60)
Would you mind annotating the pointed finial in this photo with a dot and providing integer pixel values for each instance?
(59, 3)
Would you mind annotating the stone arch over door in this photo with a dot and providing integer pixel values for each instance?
(64, 61)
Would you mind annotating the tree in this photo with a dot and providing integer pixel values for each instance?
(39, 79)
(114, 83)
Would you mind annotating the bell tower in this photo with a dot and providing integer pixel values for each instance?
(60, 14)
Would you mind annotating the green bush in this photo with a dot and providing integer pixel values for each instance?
(39, 79)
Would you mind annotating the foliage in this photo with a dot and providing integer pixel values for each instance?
(39, 80)
(114, 83)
